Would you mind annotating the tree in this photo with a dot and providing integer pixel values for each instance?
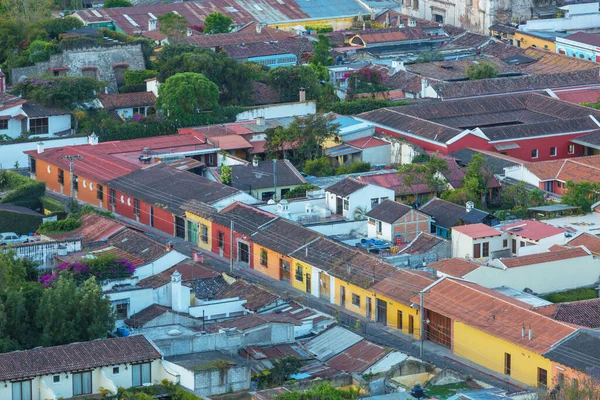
(226, 174)
(287, 81)
(26, 12)
(56, 26)
(11, 34)
(353, 168)
(117, 3)
(182, 94)
(173, 25)
(318, 167)
(217, 23)
(582, 194)
(430, 173)
(518, 196)
(322, 391)
(322, 51)
(477, 179)
(429, 56)
(40, 51)
(482, 70)
(65, 92)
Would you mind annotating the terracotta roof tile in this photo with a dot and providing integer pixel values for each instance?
(532, 230)
(540, 258)
(389, 211)
(76, 356)
(284, 236)
(94, 228)
(591, 242)
(346, 187)
(268, 48)
(246, 36)
(422, 244)
(583, 313)
(592, 39)
(141, 318)
(139, 245)
(256, 297)
(457, 267)
(127, 100)
(251, 321)
(188, 269)
(358, 357)
(579, 95)
(569, 169)
(477, 231)
(403, 284)
(495, 314)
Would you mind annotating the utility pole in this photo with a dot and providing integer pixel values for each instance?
(422, 327)
(275, 179)
(231, 247)
(71, 159)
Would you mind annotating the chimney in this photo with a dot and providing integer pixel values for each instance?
(176, 300)
(2, 82)
(93, 139)
(530, 333)
(387, 19)
(412, 23)
(152, 24)
(260, 26)
(523, 331)
(199, 257)
(40, 147)
(424, 85)
(302, 95)
(470, 206)
(255, 161)
(260, 121)
(189, 31)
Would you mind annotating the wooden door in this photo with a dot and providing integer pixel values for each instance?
(411, 325)
(399, 318)
(369, 307)
(439, 329)
(324, 286)
(339, 205)
(308, 283)
(342, 296)
(285, 269)
(381, 311)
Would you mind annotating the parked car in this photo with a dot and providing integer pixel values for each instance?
(12, 238)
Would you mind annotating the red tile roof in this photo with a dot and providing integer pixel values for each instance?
(402, 285)
(541, 258)
(570, 169)
(251, 321)
(592, 39)
(75, 357)
(358, 357)
(532, 230)
(579, 95)
(248, 35)
(9, 101)
(127, 100)
(256, 297)
(477, 231)
(188, 269)
(367, 142)
(591, 242)
(583, 313)
(94, 228)
(457, 267)
(346, 187)
(391, 35)
(495, 314)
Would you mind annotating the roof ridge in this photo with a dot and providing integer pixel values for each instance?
(424, 120)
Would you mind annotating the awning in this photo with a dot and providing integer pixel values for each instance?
(342, 150)
(506, 146)
(65, 68)
(19, 116)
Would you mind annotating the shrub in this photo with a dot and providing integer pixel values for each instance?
(319, 28)
(27, 195)
(299, 191)
(358, 106)
(139, 77)
(63, 225)
(355, 167)
(21, 224)
(40, 51)
(318, 167)
(103, 267)
(52, 206)
(571, 295)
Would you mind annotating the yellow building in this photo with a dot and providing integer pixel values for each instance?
(298, 24)
(518, 38)
(199, 223)
(492, 330)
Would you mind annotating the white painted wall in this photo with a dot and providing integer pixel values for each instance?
(242, 197)
(462, 245)
(11, 153)
(152, 86)
(186, 377)
(14, 125)
(217, 308)
(362, 198)
(578, 17)
(358, 227)
(279, 111)
(127, 113)
(386, 230)
(162, 264)
(138, 299)
(519, 172)
(541, 245)
(378, 155)
(541, 278)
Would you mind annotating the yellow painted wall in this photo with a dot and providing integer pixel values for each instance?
(201, 221)
(337, 23)
(300, 285)
(350, 290)
(532, 41)
(392, 317)
(489, 351)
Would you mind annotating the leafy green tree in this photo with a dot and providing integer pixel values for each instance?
(288, 81)
(95, 313)
(139, 77)
(353, 168)
(217, 23)
(11, 34)
(226, 174)
(322, 51)
(430, 173)
(232, 78)
(182, 94)
(582, 194)
(172, 50)
(26, 12)
(66, 92)
(429, 56)
(322, 391)
(174, 26)
(117, 3)
(54, 27)
(477, 179)
(318, 167)
(40, 51)
(483, 70)
(518, 196)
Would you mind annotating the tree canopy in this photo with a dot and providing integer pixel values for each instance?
(429, 173)
(117, 3)
(582, 194)
(65, 92)
(287, 81)
(173, 25)
(217, 23)
(482, 70)
(184, 94)
(322, 51)
(322, 391)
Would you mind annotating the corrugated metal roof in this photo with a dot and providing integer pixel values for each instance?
(387, 362)
(332, 342)
(329, 8)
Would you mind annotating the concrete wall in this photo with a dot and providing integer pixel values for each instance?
(541, 278)
(377, 155)
(279, 111)
(341, 228)
(214, 381)
(13, 152)
(161, 264)
(476, 16)
(14, 125)
(578, 17)
(139, 299)
(215, 309)
(102, 58)
(462, 245)
(242, 197)
(361, 198)
(541, 245)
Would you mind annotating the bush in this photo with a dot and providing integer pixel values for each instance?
(358, 106)
(52, 206)
(21, 224)
(139, 87)
(571, 295)
(319, 28)
(103, 267)
(27, 195)
(40, 51)
(64, 225)
(354, 168)
(318, 167)
(65, 92)
(299, 191)
(139, 77)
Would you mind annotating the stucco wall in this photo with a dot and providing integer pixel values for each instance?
(279, 111)
(214, 381)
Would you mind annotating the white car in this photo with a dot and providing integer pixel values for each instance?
(12, 238)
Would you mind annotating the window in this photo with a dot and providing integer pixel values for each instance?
(299, 273)
(400, 318)
(265, 196)
(438, 18)
(542, 378)
(477, 250)
(552, 151)
(264, 257)
(136, 207)
(507, 364)
(346, 205)
(141, 374)
(416, 4)
(210, 159)
(112, 196)
(571, 149)
(3, 124)
(82, 383)
(116, 371)
(505, 243)
(522, 244)
(38, 126)
(374, 202)
(21, 390)
(99, 192)
(534, 153)
(139, 110)
(75, 183)
(204, 230)
(411, 325)
(356, 300)
(55, 378)
(221, 240)
(121, 310)
(486, 249)
(61, 176)
(379, 226)
(32, 165)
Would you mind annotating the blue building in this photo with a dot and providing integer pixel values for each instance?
(580, 45)
(274, 53)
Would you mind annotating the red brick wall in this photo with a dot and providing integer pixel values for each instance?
(410, 225)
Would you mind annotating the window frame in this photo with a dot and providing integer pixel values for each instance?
(20, 383)
(220, 239)
(79, 375)
(299, 273)
(136, 207)
(553, 149)
(3, 124)
(485, 249)
(54, 381)
(355, 300)
(571, 149)
(204, 233)
(99, 192)
(112, 197)
(140, 366)
(116, 371)
(40, 128)
(32, 165)
(477, 249)
(536, 152)
(118, 313)
(264, 257)
(61, 176)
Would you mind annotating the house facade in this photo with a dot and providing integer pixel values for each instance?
(353, 198)
(477, 241)
(396, 222)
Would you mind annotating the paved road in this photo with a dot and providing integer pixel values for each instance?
(377, 333)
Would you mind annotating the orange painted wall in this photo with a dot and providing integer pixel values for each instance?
(84, 194)
(273, 267)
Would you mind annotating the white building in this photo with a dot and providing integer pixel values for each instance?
(583, 17)
(393, 222)
(128, 105)
(81, 369)
(353, 198)
(19, 116)
(530, 237)
(477, 241)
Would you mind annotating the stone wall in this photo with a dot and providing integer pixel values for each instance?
(102, 59)
(214, 382)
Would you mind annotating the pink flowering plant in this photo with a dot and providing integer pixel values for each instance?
(365, 80)
(103, 267)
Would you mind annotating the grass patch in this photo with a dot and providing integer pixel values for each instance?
(221, 365)
(571, 295)
(445, 391)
